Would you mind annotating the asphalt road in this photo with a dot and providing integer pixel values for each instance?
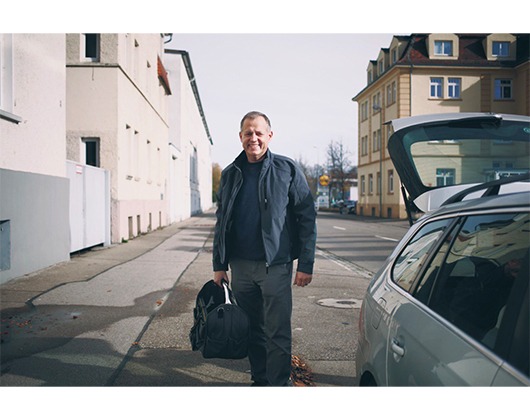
(363, 241)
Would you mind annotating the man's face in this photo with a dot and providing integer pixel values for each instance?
(255, 137)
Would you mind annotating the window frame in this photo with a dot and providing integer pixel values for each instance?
(436, 83)
(97, 45)
(454, 87)
(96, 142)
(500, 51)
(440, 47)
(499, 89)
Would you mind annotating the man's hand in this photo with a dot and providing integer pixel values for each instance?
(302, 279)
(219, 276)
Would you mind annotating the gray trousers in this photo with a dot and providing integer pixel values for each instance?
(266, 296)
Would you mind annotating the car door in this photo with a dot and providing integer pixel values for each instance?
(454, 327)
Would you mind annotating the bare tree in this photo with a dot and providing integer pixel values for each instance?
(341, 170)
(311, 175)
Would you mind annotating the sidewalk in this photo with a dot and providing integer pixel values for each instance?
(120, 316)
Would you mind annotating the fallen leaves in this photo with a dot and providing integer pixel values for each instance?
(301, 374)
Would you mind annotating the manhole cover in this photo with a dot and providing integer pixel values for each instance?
(340, 303)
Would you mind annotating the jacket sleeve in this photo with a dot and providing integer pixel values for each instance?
(305, 215)
(219, 247)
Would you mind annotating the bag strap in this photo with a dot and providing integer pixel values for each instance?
(227, 296)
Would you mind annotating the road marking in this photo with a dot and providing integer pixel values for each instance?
(339, 228)
(387, 239)
(347, 265)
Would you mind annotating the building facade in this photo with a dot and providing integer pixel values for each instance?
(34, 188)
(117, 119)
(190, 143)
(87, 152)
(428, 74)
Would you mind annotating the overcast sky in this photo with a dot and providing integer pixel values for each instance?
(304, 83)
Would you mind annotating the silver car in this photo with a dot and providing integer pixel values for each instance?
(449, 307)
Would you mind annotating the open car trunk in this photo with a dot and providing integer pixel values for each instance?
(451, 157)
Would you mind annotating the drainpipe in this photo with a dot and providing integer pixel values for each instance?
(410, 72)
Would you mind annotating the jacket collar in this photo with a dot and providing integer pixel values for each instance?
(242, 157)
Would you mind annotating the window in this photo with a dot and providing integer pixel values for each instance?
(90, 151)
(394, 55)
(376, 102)
(370, 184)
(91, 47)
(435, 87)
(370, 77)
(363, 185)
(445, 177)
(391, 182)
(364, 110)
(376, 140)
(379, 186)
(443, 48)
(453, 87)
(391, 93)
(414, 255)
(501, 49)
(503, 89)
(381, 65)
(7, 79)
(364, 146)
(478, 283)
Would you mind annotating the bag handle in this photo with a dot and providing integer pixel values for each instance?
(227, 296)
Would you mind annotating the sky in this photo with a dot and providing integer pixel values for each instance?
(303, 82)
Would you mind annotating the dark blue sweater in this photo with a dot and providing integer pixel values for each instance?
(246, 238)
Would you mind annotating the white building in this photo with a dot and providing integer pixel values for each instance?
(95, 144)
(117, 119)
(34, 188)
(190, 164)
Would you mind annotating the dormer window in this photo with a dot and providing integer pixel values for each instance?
(444, 48)
(394, 55)
(500, 49)
(381, 66)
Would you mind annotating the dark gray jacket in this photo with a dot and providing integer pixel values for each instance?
(288, 216)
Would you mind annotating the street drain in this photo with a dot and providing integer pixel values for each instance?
(340, 303)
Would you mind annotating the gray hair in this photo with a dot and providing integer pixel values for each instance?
(255, 114)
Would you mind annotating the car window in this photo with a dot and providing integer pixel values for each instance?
(412, 258)
(480, 285)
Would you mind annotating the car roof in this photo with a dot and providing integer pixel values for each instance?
(507, 201)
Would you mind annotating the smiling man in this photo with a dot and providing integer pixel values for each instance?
(265, 220)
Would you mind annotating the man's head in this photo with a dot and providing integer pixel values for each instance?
(255, 135)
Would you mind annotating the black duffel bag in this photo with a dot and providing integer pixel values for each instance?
(221, 329)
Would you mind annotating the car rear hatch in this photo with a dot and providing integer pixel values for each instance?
(444, 157)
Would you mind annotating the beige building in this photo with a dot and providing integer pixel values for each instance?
(428, 74)
(117, 119)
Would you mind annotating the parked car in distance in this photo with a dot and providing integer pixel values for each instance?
(450, 306)
(348, 207)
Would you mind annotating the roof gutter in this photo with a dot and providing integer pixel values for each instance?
(189, 70)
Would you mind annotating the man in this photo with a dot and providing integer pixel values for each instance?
(265, 220)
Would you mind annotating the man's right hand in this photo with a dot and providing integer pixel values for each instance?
(219, 276)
